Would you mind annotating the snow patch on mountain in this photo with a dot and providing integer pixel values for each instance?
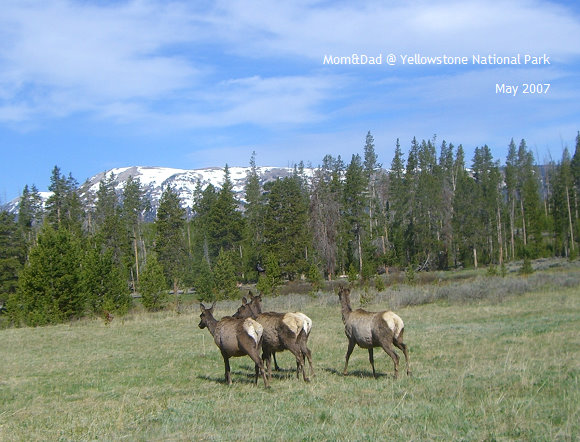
(154, 181)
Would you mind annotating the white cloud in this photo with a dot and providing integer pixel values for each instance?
(310, 30)
(163, 63)
(89, 55)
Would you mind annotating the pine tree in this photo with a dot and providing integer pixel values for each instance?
(204, 282)
(530, 200)
(152, 285)
(224, 221)
(286, 233)
(575, 190)
(170, 238)
(325, 204)
(110, 232)
(12, 255)
(397, 199)
(466, 223)
(487, 178)
(575, 163)
(63, 207)
(133, 207)
(225, 276)
(354, 206)
(373, 175)
(427, 207)
(204, 201)
(448, 178)
(104, 283)
(254, 229)
(511, 181)
(30, 213)
(563, 207)
(269, 281)
(50, 288)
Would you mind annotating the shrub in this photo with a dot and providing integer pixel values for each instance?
(352, 273)
(410, 274)
(526, 268)
(152, 285)
(366, 297)
(379, 284)
(314, 277)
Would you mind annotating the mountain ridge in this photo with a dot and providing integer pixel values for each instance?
(155, 179)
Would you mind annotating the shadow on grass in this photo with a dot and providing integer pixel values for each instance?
(358, 373)
(245, 374)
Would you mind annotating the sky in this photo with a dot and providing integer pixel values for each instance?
(90, 85)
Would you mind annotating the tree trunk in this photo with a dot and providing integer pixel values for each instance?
(360, 260)
(176, 293)
(136, 255)
(499, 238)
(512, 216)
(570, 221)
(523, 222)
(475, 257)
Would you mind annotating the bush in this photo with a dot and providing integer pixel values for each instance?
(204, 283)
(366, 297)
(269, 281)
(225, 276)
(352, 273)
(152, 285)
(410, 274)
(379, 284)
(526, 268)
(314, 277)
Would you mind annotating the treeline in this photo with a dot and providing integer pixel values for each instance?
(427, 211)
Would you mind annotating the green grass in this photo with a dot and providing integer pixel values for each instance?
(504, 367)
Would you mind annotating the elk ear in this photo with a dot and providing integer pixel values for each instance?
(244, 301)
(212, 306)
(201, 307)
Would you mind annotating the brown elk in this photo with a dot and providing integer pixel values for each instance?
(282, 331)
(251, 309)
(372, 329)
(235, 337)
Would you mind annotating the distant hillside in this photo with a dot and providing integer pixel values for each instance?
(154, 180)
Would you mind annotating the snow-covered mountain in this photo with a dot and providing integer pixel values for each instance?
(154, 180)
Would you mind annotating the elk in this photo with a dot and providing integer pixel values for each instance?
(252, 309)
(372, 329)
(235, 337)
(282, 331)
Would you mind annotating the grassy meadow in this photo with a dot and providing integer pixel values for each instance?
(492, 358)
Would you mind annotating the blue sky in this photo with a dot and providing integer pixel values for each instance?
(92, 85)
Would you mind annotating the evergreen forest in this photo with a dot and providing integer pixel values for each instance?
(431, 209)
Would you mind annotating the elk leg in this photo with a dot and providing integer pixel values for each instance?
(308, 354)
(297, 352)
(394, 356)
(275, 362)
(403, 347)
(351, 345)
(259, 367)
(371, 360)
(227, 366)
(266, 357)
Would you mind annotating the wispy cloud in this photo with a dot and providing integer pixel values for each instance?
(312, 28)
(183, 65)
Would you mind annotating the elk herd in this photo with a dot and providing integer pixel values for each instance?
(250, 332)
